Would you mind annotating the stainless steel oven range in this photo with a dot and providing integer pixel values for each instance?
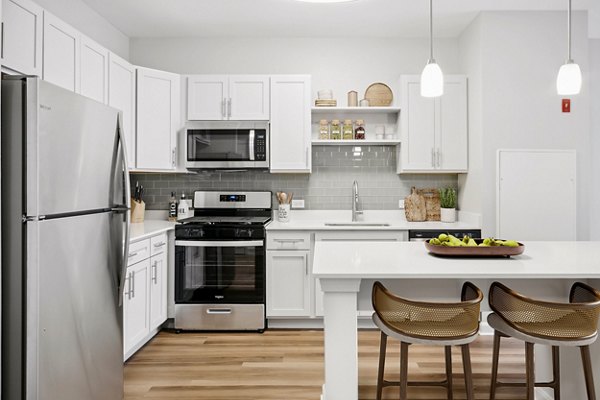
(220, 262)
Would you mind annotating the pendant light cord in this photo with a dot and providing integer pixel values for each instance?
(431, 30)
(569, 60)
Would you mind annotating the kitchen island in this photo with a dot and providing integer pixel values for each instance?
(341, 266)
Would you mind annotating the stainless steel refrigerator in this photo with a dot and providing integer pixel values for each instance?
(65, 224)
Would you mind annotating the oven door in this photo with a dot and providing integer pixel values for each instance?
(219, 272)
(227, 147)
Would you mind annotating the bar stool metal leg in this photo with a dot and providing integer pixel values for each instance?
(403, 370)
(530, 366)
(466, 356)
(556, 371)
(495, 361)
(449, 372)
(382, 349)
(589, 373)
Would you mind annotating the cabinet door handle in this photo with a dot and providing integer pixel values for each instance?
(173, 157)
(2, 40)
(223, 107)
(288, 240)
(229, 108)
(155, 272)
(306, 266)
(133, 254)
(439, 158)
(132, 280)
(160, 244)
(307, 150)
(128, 293)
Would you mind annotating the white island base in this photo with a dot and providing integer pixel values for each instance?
(341, 266)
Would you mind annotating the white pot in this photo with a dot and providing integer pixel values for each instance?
(283, 214)
(448, 214)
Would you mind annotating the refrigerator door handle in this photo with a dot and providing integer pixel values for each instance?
(125, 209)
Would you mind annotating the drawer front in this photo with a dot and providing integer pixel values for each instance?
(288, 241)
(158, 244)
(138, 251)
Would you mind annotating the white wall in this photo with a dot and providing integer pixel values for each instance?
(86, 20)
(520, 56)
(595, 132)
(339, 64)
(470, 196)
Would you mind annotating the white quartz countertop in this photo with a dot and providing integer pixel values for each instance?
(316, 220)
(380, 260)
(149, 228)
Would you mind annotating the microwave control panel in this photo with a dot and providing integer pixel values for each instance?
(260, 146)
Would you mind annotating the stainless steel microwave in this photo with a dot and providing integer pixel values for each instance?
(227, 145)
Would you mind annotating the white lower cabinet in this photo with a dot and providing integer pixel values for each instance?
(288, 283)
(158, 290)
(135, 303)
(144, 292)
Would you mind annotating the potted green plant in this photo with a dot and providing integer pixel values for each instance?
(448, 204)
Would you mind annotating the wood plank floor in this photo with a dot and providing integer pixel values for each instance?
(288, 365)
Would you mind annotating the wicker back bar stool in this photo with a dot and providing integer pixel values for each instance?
(412, 322)
(573, 324)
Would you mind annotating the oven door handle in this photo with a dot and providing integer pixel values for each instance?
(230, 243)
(251, 145)
(219, 311)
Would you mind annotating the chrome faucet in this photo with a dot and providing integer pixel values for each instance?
(355, 210)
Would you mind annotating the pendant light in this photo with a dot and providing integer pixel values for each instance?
(432, 78)
(568, 81)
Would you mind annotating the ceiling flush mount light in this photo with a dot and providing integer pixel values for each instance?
(326, 1)
(568, 81)
(432, 78)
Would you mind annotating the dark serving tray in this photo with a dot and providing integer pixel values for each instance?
(464, 251)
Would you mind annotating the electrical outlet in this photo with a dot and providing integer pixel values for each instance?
(297, 203)
(401, 204)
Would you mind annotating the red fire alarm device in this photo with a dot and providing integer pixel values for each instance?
(566, 105)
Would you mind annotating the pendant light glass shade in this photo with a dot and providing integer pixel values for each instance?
(569, 79)
(432, 80)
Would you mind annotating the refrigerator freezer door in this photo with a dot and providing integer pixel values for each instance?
(79, 321)
(76, 148)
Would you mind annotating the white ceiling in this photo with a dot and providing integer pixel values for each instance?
(375, 18)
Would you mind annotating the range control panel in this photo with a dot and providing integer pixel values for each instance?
(232, 198)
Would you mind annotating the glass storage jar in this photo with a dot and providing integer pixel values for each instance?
(336, 130)
(347, 130)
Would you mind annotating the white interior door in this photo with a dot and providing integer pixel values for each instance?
(61, 53)
(207, 97)
(418, 128)
(248, 98)
(94, 70)
(121, 95)
(536, 195)
(22, 36)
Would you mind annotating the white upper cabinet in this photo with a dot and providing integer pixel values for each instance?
(121, 95)
(94, 70)
(22, 24)
(434, 130)
(61, 53)
(248, 98)
(207, 97)
(228, 97)
(157, 119)
(290, 124)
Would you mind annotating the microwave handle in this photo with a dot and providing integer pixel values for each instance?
(251, 145)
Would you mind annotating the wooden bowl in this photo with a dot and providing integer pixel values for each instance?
(464, 251)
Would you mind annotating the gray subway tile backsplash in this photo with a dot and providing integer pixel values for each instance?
(328, 187)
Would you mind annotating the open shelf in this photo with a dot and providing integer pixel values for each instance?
(355, 110)
(366, 142)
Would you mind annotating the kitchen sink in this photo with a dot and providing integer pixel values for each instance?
(355, 224)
